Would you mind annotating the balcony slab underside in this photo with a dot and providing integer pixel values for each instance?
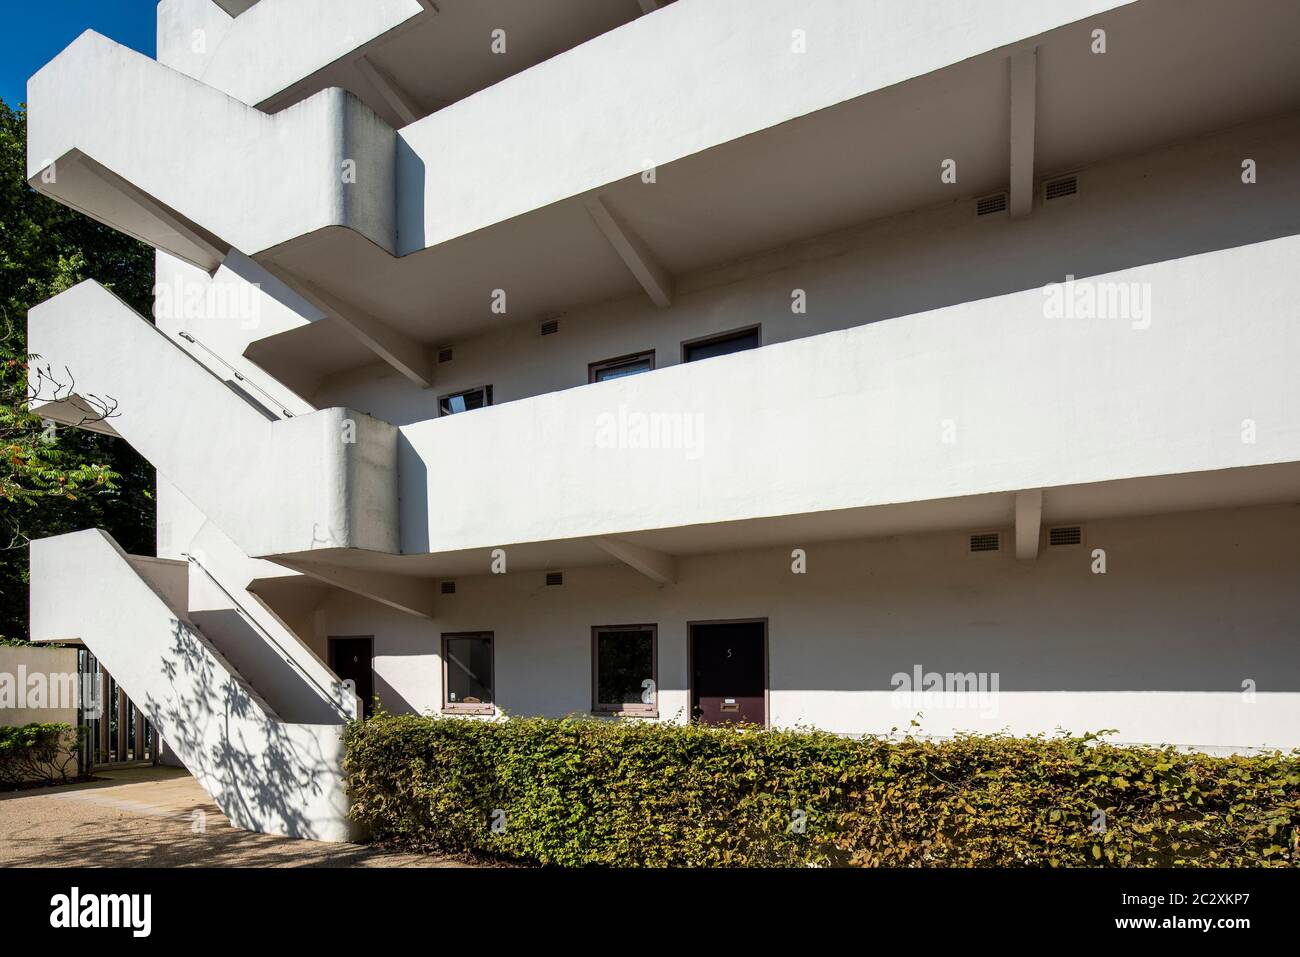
(460, 237)
(996, 511)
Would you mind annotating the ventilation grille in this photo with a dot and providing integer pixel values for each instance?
(550, 326)
(555, 578)
(444, 354)
(985, 542)
(447, 588)
(1065, 535)
(1065, 186)
(997, 203)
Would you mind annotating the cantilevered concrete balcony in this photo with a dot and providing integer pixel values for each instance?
(541, 186)
(670, 146)
(1006, 412)
(1163, 387)
(404, 58)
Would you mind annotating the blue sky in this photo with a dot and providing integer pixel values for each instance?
(34, 33)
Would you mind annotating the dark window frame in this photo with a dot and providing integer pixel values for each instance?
(595, 367)
(736, 333)
(487, 398)
(460, 707)
(629, 708)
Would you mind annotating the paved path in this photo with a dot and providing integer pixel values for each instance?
(157, 817)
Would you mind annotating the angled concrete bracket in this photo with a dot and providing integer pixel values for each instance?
(404, 354)
(655, 565)
(1029, 522)
(1024, 84)
(403, 592)
(636, 255)
(402, 103)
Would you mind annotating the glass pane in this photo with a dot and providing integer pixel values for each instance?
(626, 368)
(474, 399)
(721, 347)
(625, 667)
(469, 670)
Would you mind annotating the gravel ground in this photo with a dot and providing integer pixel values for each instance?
(157, 817)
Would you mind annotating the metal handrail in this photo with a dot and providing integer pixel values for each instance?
(288, 658)
(270, 400)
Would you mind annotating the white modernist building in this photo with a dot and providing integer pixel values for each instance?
(846, 363)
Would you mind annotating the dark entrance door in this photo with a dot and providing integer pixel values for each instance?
(729, 672)
(350, 659)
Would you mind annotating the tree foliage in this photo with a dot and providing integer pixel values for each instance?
(57, 479)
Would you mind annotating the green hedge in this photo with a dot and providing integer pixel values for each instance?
(584, 791)
(36, 754)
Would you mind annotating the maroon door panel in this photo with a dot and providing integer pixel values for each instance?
(729, 679)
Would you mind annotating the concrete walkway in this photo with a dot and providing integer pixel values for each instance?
(157, 817)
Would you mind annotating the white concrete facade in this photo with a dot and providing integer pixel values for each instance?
(351, 229)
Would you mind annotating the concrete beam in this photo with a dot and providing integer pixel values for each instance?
(412, 359)
(655, 565)
(636, 255)
(403, 592)
(401, 102)
(1029, 523)
(1024, 85)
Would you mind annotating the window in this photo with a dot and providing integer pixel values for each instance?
(467, 673)
(617, 368)
(464, 401)
(625, 669)
(738, 340)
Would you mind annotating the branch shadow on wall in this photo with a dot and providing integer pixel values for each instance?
(232, 742)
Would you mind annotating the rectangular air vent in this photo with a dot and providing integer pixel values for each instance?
(985, 542)
(555, 578)
(550, 326)
(447, 588)
(1065, 535)
(444, 354)
(1056, 188)
(997, 203)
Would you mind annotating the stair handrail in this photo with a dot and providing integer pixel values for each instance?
(270, 400)
(288, 658)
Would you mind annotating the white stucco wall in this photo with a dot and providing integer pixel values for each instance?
(694, 75)
(987, 396)
(1178, 200)
(44, 661)
(1192, 605)
(272, 45)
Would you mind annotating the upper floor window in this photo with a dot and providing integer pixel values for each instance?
(467, 673)
(737, 340)
(624, 366)
(464, 401)
(624, 669)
